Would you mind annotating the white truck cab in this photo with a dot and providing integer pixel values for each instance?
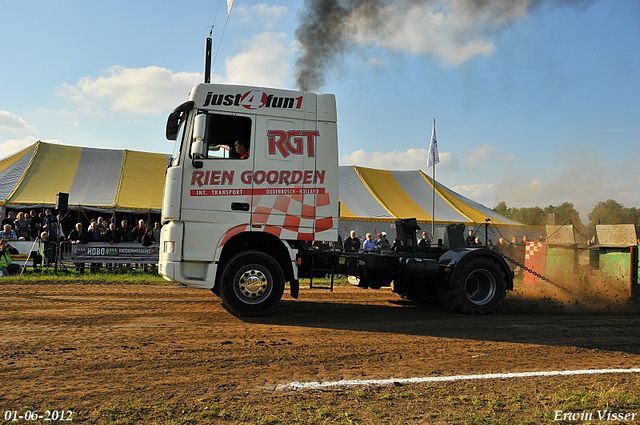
(253, 178)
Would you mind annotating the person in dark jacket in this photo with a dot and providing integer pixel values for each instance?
(139, 231)
(113, 235)
(7, 268)
(78, 236)
(352, 243)
(147, 238)
(470, 240)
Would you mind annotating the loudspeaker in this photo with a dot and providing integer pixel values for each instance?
(62, 201)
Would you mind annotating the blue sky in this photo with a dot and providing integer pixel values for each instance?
(536, 102)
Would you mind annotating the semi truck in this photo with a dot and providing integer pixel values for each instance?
(253, 182)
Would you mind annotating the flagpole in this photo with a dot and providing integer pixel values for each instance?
(433, 198)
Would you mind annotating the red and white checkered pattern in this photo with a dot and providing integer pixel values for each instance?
(531, 249)
(274, 213)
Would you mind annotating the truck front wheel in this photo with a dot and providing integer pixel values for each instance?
(478, 288)
(252, 283)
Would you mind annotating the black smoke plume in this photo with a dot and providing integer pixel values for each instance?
(327, 29)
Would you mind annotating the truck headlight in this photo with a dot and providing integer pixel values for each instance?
(169, 247)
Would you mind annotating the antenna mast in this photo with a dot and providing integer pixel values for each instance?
(207, 58)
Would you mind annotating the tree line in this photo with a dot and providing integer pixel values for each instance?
(606, 212)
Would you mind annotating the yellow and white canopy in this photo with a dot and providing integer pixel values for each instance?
(124, 180)
(369, 194)
(93, 178)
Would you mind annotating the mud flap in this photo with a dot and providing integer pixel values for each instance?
(295, 288)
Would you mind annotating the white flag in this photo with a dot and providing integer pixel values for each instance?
(434, 157)
(229, 4)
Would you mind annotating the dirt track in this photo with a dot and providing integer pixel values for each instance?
(96, 349)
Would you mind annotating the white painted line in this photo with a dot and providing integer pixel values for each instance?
(362, 382)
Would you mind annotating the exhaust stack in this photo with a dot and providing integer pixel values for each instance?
(207, 61)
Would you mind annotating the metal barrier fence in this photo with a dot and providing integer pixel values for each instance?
(95, 255)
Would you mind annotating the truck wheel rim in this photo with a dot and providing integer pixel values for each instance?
(480, 287)
(252, 284)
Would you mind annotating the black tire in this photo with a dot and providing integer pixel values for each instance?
(252, 283)
(478, 288)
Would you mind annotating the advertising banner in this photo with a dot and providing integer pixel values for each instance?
(98, 252)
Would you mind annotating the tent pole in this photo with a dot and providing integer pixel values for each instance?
(433, 204)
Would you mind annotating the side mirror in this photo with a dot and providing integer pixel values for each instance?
(199, 127)
(197, 148)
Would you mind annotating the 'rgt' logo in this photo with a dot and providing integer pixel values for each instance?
(292, 142)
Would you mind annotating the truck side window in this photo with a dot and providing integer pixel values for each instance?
(227, 136)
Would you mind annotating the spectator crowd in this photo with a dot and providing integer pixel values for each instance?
(49, 229)
(513, 249)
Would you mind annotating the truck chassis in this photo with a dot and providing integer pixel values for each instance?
(465, 280)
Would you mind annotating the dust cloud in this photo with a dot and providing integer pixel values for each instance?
(580, 294)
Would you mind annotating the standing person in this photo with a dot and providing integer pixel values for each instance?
(352, 243)
(156, 232)
(9, 219)
(470, 241)
(35, 224)
(93, 232)
(369, 244)
(425, 241)
(113, 235)
(61, 234)
(48, 248)
(147, 238)
(50, 226)
(78, 236)
(21, 225)
(6, 251)
(513, 248)
(102, 227)
(139, 231)
(503, 248)
(125, 232)
(514, 254)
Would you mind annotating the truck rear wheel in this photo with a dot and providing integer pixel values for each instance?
(252, 283)
(478, 288)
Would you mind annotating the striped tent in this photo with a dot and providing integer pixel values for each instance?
(123, 180)
(371, 200)
(95, 179)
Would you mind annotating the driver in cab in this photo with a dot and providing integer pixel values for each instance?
(241, 149)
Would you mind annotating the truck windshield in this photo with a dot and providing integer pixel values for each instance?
(175, 158)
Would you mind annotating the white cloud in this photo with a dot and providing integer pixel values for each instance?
(261, 13)
(485, 154)
(263, 62)
(58, 112)
(583, 194)
(412, 159)
(155, 90)
(564, 180)
(14, 145)
(481, 154)
(14, 123)
(150, 90)
(482, 193)
(454, 31)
